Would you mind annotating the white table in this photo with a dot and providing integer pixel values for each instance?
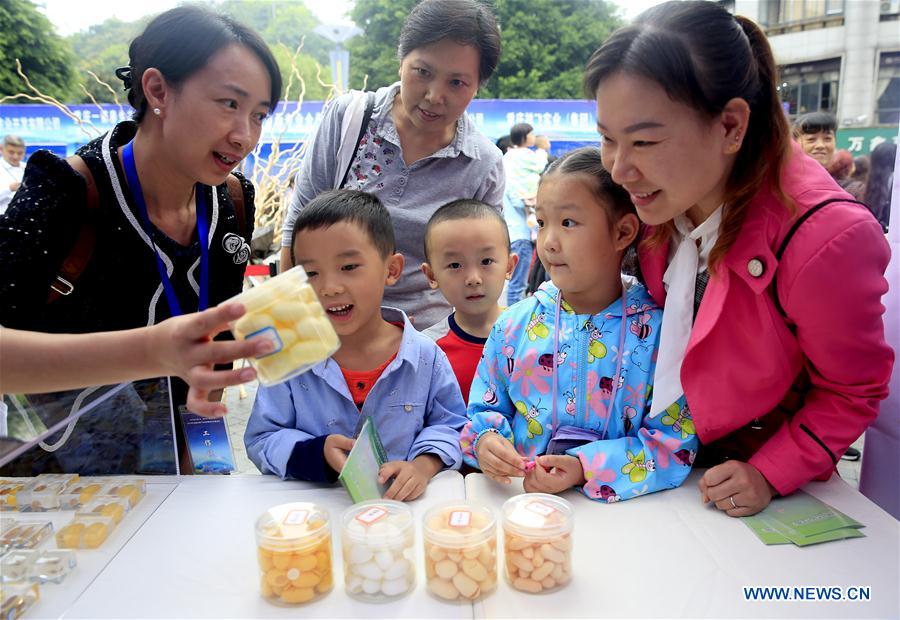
(666, 555)
(196, 557)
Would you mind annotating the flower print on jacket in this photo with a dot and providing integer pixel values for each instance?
(633, 453)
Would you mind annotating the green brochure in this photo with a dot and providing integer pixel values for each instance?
(803, 520)
(360, 473)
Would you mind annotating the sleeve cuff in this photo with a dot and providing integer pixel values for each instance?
(307, 462)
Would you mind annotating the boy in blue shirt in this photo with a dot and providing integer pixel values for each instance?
(302, 428)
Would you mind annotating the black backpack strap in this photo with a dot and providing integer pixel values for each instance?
(370, 106)
(787, 239)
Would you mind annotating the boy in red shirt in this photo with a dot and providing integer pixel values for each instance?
(468, 252)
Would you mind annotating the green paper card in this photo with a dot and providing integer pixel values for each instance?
(764, 531)
(803, 520)
(360, 473)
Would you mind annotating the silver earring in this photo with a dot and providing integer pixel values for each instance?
(156, 111)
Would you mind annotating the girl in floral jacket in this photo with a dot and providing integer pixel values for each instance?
(563, 391)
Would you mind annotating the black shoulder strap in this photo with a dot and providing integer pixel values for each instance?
(787, 239)
(236, 193)
(370, 106)
(79, 255)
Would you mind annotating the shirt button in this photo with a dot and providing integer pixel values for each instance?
(402, 180)
(407, 408)
(755, 267)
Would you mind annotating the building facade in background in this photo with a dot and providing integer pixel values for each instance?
(838, 56)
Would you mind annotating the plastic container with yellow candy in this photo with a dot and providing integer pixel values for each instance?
(85, 532)
(132, 489)
(294, 553)
(460, 551)
(537, 541)
(286, 311)
(111, 506)
(377, 541)
(78, 494)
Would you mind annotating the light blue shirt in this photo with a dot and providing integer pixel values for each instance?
(416, 405)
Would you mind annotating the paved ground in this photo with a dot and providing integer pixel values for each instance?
(239, 412)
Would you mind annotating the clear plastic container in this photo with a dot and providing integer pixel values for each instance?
(132, 489)
(85, 532)
(537, 542)
(39, 496)
(53, 565)
(285, 310)
(15, 534)
(8, 494)
(460, 551)
(294, 552)
(17, 598)
(16, 565)
(378, 543)
(64, 479)
(111, 506)
(78, 494)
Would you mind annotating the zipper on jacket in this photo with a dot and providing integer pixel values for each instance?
(582, 337)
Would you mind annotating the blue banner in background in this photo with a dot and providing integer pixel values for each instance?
(44, 126)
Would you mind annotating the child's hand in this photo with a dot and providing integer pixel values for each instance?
(336, 449)
(498, 458)
(554, 473)
(737, 488)
(184, 347)
(410, 477)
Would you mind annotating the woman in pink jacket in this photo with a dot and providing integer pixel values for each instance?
(771, 275)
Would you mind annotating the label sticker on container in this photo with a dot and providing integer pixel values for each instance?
(371, 515)
(460, 518)
(540, 508)
(267, 333)
(296, 517)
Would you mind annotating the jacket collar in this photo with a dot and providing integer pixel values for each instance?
(409, 353)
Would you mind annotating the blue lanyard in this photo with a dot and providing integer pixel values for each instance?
(134, 184)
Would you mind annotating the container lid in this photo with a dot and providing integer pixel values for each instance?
(269, 291)
(288, 524)
(537, 514)
(459, 524)
(379, 521)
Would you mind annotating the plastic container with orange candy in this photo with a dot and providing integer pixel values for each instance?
(537, 542)
(286, 311)
(294, 552)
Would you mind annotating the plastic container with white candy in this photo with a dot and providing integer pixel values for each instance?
(537, 541)
(286, 311)
(460, 551)
(378, 543)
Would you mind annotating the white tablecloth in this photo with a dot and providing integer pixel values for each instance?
(666, 555)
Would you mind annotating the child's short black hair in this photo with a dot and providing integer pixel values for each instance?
(814, 122)
(346, 205)
(462, 209)
(518, 135)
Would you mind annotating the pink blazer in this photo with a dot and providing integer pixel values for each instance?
(743, 356)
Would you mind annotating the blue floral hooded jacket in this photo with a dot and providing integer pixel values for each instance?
(513, 386)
